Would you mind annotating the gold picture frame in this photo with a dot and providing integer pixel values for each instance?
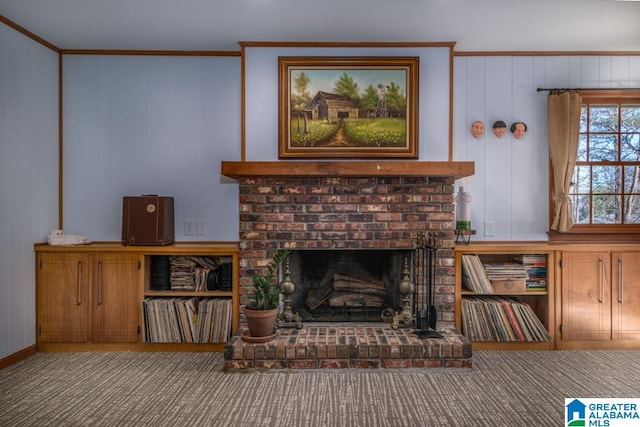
(348, 107)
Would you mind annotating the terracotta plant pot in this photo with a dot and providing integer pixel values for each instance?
(262, 323)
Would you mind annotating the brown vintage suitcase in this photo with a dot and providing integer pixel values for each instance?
(147, 220)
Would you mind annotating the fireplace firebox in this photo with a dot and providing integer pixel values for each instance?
(346, 285)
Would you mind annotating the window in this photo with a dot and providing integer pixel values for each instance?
(605, 194)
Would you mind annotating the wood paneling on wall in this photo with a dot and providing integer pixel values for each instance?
(510, 186)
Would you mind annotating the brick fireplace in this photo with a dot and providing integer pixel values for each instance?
(349, 205)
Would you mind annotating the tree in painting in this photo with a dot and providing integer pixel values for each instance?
(299, 99)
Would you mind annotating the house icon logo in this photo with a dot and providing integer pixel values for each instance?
(575, 411)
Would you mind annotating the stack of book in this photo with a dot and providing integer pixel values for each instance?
(496, 318)
(506, 277)
(186, 320)
(505, 271)
(474, 276)
(190, 273)
(536, 266)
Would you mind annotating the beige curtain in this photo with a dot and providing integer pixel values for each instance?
(563, 126)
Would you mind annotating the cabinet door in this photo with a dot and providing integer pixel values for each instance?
(625, 291)
(114, 299)
(586, 296)
(62, 297)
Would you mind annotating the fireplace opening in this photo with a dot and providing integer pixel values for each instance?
(347, 285)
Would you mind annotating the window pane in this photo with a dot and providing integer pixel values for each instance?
(607, 179)
(582, 148)
(630, 147)
(630, 115)
(603, 118)
(632, 210)
(606, 210)
(605, 188)
(631, 179)
(581, 179)
(603, 147)
(581, 209)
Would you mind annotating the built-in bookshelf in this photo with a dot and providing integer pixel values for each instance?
(501, 318)
(186, 320)
(504, 295)
(188, 299)
(106, 296)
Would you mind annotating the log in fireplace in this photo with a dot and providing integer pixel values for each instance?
(346, 285)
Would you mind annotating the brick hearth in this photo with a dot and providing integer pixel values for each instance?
(349, 346)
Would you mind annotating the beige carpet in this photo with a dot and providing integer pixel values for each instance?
(191, 389)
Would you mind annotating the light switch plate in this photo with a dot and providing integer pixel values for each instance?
(199, 231)
(489, 229)
(189, 227)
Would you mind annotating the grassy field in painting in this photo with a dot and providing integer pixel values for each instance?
(379, 132)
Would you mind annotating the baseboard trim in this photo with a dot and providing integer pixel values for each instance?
(18, 356)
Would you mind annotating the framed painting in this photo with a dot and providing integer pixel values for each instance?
(348, 107)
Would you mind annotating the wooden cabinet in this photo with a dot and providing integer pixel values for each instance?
(62, 297)
(114, 305)
(90, 297)
(586, 296)
(499, 316)
(600, 294)
(87, 297)
(625, 294)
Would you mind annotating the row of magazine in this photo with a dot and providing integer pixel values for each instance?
(187, 320)
(497, 318)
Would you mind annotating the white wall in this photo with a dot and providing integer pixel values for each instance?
(150, 125)
(28, 177)
(261, 104)
(511, 183)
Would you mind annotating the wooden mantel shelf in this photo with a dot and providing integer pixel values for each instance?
(233, 169)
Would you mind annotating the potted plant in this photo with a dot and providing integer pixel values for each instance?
(264, 300)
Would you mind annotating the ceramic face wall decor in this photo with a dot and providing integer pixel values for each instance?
(499, 127)
(477, 129)
(518, 129)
